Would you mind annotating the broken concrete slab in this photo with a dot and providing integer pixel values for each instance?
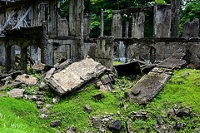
(38, 67)
(16, 93)
(175, 61)
(49, 73)
(153, 82)
(26, 79)
(63, 65)
(75, 75)
(149, 86)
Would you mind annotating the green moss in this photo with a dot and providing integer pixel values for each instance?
(17, 115)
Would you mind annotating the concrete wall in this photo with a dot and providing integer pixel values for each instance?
(160, 49)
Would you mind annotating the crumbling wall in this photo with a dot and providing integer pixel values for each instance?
(163, 48)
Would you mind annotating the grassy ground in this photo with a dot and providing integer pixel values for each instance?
(19, 116)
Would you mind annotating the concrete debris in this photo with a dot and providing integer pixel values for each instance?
(16, 93)
(63, 65)
(115, 126)
(98, 96)
(87, 109)
(152, 83)
(26, 79)
(75, 75)
(106, 82)
(38, 67)
(44, 116)
(55, 123)
(49, 73)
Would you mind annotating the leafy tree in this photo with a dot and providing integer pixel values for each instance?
(190, 12)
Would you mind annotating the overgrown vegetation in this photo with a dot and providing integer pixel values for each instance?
(21, 116)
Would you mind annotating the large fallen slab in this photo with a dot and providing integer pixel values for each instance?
(75, 75)
(150, 85)
(153, 82)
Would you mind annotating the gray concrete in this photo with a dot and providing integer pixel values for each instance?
(163, 48)
(116, 30)
(104, 51)
(2, 54)
(191, 29)
(162, 21)
(153, 82)
(26, 79)
(175, 6)
(75, 75)
(138, 20)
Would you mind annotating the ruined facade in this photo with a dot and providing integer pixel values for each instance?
(38, 25)
(35, 28)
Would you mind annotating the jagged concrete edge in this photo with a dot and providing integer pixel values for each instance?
(52, 84)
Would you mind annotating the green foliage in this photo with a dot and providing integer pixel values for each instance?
(31, 90)
(20, 116)
(191, 11)
(160, 2)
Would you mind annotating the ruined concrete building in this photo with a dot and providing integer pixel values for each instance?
(35, 28)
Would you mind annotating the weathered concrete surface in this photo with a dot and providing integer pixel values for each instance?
(138, 20)
(149, 86)
(16, 93)
(152, 83)
(163, 48)
(26, 79)
(191, 29)
(117, 24)
(162, 21)
(75, 75)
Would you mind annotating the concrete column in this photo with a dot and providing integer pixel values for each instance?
(116, 30)
(24, 57)
(138, 20)
(162, 21)
(76, 10)
(12, 53)
(102, 23)
(186, 30)
(35, 53)
(76, 21)
(191, 29)
(8, 58)
(175, 6)
(86, 26)
(127, 29)
(104, 51)
(2, 54)
(49, 53)
(194, 28)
